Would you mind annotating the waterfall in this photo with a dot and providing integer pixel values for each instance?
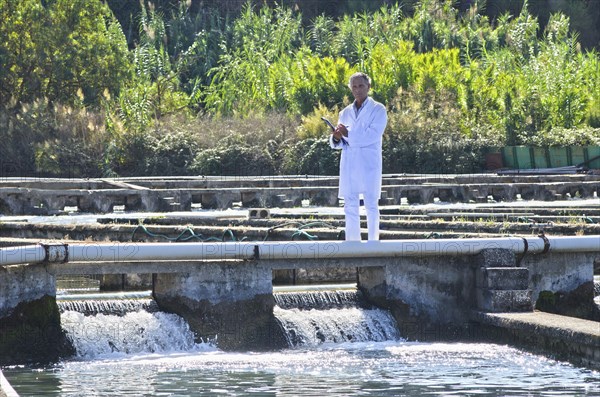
(130, 323)
(320, 300)
(117, 303)
(121, 323)
(107, 306)
(313, 317)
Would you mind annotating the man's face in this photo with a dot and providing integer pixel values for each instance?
(360, 89)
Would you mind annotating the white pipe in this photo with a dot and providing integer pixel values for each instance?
(575, 244)
(119, 252)
(22, 254)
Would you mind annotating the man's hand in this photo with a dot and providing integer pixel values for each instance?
(337, 135)
(340, 131)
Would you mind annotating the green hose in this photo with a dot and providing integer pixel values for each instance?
(182, 236)
(188, 233)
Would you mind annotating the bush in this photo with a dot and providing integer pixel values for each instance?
(171, 154)
(18, 133)
(159, 152)
(51, 140)
(312, 126)
(445, 152)
(311, 157)
(424, 136)
(567, 137)
(69, 158)
(127, 155)
(232, 157)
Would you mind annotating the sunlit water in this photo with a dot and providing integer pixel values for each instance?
(351, 369)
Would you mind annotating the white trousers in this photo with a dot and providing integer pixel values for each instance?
(351, 212)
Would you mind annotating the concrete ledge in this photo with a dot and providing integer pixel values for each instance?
(562, 337)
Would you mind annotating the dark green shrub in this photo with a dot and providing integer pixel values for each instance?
(171, 154)
(69, 158)
(233, 158)
(311, 157)
(127, 156)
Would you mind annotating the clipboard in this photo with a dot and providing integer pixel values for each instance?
(328, 123)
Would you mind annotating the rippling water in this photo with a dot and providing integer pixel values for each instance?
(349, 369)
(145, 353)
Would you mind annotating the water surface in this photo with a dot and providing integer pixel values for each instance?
(391, 368)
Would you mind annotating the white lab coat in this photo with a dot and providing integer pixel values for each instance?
(361, 162)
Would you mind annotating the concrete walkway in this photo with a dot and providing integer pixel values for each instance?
(565, 338)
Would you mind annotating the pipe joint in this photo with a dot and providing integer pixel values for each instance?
(525, 249)
(256, 255)
(56, 253)
(546, 243)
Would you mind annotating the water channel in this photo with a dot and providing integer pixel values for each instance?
(341, 351)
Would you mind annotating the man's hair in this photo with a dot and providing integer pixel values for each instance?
(357, 75)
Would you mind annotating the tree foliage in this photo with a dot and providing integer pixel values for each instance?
(65, 51)
(457, 78)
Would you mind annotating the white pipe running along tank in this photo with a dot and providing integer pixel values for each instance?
(120, 252)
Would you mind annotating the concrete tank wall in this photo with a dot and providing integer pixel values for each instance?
(440, 289)
(24, 283)
(231, 305)
(30, 330)
(559, 272)
(448, 289)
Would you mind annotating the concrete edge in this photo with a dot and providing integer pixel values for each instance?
(6, 390)
(576, 329)
(570, 338)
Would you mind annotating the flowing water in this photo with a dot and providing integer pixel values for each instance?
(597, 289)
(316, 317)
(350, 369)
(347, 350)
(118, 304)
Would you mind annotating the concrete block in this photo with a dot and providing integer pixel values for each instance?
(277, 200)
(496, 257)
(503, 278)
(372, 282)
(497, 301)
(502, 193)
(528, 192)
(167, 204)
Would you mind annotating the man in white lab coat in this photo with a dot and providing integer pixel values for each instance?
(359, 135)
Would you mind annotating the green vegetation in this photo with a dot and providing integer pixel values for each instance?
(91, 88)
